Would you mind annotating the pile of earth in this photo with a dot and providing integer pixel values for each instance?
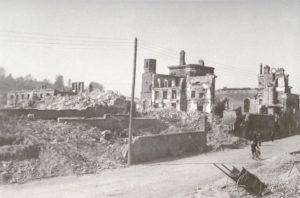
(39, 149)
(84, 100)
(274, 173)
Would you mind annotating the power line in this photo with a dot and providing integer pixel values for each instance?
(65, 41)
(46, 40)
(222, 70)
(171, 51)
(159, 54)
(85, 42)
(61, 45)
(40, 39)
(62, 36)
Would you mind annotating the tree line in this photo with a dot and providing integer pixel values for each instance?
(28, 82)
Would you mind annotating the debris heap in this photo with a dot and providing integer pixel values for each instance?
(84, 100)
(38, 149)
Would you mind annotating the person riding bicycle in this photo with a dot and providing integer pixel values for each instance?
(255, 150)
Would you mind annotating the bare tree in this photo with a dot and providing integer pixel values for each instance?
(96, 86)
(2, 73)
(46, 81)
(69, 83)
(59, 82)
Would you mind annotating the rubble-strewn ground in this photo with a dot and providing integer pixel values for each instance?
(33, 149)
(84, 100)
(175, 178)
(38, 149)
(274, 172)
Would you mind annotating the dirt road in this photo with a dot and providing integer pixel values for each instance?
(175, 178)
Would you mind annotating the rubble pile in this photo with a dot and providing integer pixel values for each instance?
(274, 173)
(84, 100)
(220, 138)
(63, 149)
(183, 121)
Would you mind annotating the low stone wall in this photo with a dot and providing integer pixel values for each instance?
(149, 148)
(117, 122)
(49, 114)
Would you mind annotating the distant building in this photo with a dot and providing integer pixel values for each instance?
(78, 87)
(272, 96)
(187, 87)
(17, 98)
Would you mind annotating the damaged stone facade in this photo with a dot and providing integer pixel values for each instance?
(19, 97)
(272, 96)
(187, 87)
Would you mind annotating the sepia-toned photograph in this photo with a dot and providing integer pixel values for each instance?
(149, 98)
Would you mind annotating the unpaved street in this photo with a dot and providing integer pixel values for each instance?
(175, 178)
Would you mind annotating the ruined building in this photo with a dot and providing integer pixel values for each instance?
(19, 98)
(272, 96)
(77, 87)
(187, 87)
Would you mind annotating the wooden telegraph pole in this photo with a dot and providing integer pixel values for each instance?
(132, 103)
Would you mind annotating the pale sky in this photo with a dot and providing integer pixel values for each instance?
(93, 40)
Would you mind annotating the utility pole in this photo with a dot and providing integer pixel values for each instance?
(132, 103)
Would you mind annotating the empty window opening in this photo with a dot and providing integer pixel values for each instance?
(173, 94)
(201, 95)
(174, 105)
(156, 94)
(200, 108)
(193, 95)
(166, 83)
(165, 94)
